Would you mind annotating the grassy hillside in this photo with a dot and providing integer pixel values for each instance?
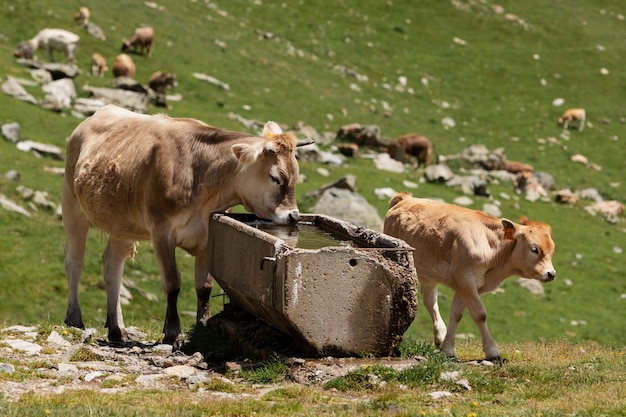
(495, 74)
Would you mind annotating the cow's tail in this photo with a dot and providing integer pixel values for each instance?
(398, 197)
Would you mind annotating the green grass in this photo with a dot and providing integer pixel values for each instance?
(493, 86)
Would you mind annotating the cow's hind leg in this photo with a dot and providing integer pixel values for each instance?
(113, 258)
(456, 314)
(76, 228)
(204, 285)
(429, 295)
(170, 280)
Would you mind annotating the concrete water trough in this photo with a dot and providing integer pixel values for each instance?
(336, 288)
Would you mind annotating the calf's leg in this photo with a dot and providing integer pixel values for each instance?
(114, 256)
(429, 295)
(467, 295)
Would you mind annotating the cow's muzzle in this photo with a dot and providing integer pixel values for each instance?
(549, 276)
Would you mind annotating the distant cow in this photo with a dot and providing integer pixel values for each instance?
(416, 146)
(140, 42)
(98, 65)
(123, 66)
(139, 177)
(470, 252)
(515, 167)
(161, 82)
(50, 40)
(573, 115)
(83, 16)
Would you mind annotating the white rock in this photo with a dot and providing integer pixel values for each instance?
(439, 394)
(27, 347)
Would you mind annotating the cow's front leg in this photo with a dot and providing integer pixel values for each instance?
(204, 285)
(429, 295)
(165, 252)
(477, 311)
(113, 259)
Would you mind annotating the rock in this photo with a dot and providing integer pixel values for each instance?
(41, 149)
(6, 368)
(24, 346)
(10, 205)
(88, 106)
(463, 201)
(312, 153)
(60, 94)
(531, 285)
(348, 206)
(211, 80)
(362, 135)
(95, 31)
(11, 131)
(437, 395)
(131, 100)
(14, 89)
(566, 196)
(57, 340)
(385, 162)
(385, 193)
(438, 173)
(13, 175)
(130, 84)
(181, 371)
(492, 210)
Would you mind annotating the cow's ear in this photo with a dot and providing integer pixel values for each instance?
(243, 152)
(271, 129)
(509, 229)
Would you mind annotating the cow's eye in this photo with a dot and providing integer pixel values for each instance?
(534, 249)
(275, 179)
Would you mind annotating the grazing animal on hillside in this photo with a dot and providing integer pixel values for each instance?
(573, 115)
(98, 65)
(515, 167)
(470, 252)
(140, 42)
(50, 40)
(416, 146)
(123, 66)
(139, 177)
(161, 82)
(83, 16)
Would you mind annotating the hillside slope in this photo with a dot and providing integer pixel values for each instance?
(495, 69)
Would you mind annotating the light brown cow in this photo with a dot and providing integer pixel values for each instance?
(470, 252)
(161, 82)
(123, 66)
(98, 65)
(139, 177)
(141, 41)
(83, 15)
(416, 146)
(573, 115)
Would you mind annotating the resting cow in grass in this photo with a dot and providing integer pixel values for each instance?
(139, 177)
(470, 252)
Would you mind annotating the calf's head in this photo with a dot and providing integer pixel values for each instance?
(267, 172)
(534, 247)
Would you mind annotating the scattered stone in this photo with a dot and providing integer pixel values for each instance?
(437, 395)
(348, 206)
(438, 173)
(6, 368)
(385, 162)
(11, 131)
(463, 201)
(211, 80)
(492, 210)
(24, 346)
(532, 285)
(41, 149)
(10, 205)
(13, 175)
(14, 89)
(56, 339)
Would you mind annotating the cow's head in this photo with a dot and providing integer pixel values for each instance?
(267, 175)
(534, 247)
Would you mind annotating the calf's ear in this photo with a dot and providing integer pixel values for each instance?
(270, 129)
(509, 229)
(243, 152)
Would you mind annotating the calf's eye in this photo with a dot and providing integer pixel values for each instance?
(534, 249)
(275, 180)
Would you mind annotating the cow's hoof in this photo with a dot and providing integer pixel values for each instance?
(497, 360)
(118, 336)
(176, 341)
